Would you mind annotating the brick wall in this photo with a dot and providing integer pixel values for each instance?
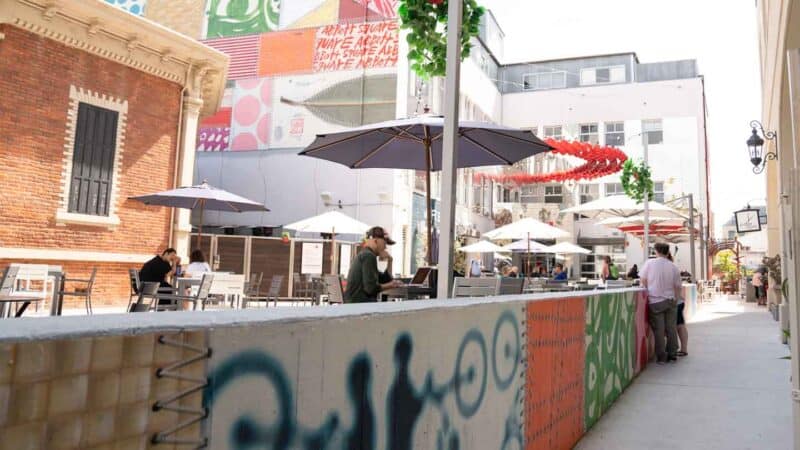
(183, 16)
(35, 81)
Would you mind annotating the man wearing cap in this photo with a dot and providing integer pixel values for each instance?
(363, 280)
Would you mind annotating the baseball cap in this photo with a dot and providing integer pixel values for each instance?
(379, 233)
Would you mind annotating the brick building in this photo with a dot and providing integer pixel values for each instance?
(97, 105)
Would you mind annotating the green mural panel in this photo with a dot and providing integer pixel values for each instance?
(241, 17)
(610, 351)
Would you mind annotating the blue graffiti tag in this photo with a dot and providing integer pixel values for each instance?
(404, 404)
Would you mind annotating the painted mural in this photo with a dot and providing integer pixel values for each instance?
(610, 351)
(213, 139)
(242, 17)
(367, 10)
(642, 328)
(356, 46)
(311, 104)
(554, 383)
(132, 6)
(251, 120)
(309, 13)
(447, 380)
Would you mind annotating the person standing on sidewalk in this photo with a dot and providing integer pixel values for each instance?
(662, 279)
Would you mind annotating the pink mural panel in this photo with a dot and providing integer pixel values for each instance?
(213, 139)
(641, 333)
(252, 115)
(356, 46)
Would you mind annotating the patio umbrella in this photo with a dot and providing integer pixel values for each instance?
(639, 221)
(202, 196)
(482, 247)
(619, 206)
(331, 222)
(567, 248)
(528, 228)
(416, 144)
(527, 245)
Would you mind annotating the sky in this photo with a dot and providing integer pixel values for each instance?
(722, 35)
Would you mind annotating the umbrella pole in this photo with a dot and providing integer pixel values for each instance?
(528, 259)
(333, 250)
(428, 166)
(200, 227)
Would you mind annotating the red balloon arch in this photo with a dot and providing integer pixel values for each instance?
(600, 162)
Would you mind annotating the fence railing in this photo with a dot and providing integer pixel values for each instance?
(271, 256)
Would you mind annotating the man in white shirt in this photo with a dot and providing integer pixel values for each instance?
(662, 279)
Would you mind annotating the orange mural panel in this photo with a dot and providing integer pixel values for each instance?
(285, 52)
(554, 381)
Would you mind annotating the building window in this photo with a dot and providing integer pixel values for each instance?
(614, 189)
(531, 194)
(588, 192)
(543, 81)
(654, 130)
(553, 194)
(615, 133)
(92, 159)
(589, 133)
(731, 234)
(602, 75)
(658, 191)
(553, 132)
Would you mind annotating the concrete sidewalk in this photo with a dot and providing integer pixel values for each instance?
(731, 392)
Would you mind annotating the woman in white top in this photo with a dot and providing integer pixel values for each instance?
(197, 264)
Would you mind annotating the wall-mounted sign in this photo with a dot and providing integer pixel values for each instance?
(747, 221)
(312, 259)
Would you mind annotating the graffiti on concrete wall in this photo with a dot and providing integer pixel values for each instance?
(610, 351)
(326, 387)
(554, 377)
(241, 17)
(356, 46)
(132, 6)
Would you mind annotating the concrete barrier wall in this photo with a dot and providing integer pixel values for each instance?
(500, 373)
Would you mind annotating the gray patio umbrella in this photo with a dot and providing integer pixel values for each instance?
(203, 197)
(416, 144)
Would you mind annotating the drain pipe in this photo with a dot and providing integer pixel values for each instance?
(178, 151)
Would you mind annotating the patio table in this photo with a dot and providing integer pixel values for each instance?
(7, 300)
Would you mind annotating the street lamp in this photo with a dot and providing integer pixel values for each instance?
(755, 146)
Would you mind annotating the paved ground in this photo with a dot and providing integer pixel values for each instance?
(731, 392)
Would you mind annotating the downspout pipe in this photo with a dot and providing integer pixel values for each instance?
(178, 151)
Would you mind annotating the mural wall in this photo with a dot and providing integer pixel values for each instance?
(301, 68)
(505, 375)
(395, 381)
(610, 351)
(132, 6)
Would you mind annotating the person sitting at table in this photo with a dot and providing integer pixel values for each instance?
(363, 279)
(633, 274)
(160, 269)
(385, 267)
(197, 264)
(559, 274)
(514, 272)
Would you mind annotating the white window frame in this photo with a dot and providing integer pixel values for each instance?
(552, 195)
(608, 194)
(658, 189)
(535, 75)
(76, 97)
(658, 128)
(588, 76)
(596, 132)
(558, 136)
(615, 132)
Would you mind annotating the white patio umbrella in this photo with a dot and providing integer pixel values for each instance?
(527, 228)
(331, 222)
(528, 245)
(639, 220)
(619, 206)
(482, 247)
(567, 248)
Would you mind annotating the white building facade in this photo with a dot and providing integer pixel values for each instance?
(604, 99)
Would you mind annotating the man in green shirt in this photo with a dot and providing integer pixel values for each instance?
(363, 280)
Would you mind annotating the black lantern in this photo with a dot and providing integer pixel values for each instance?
(755, 146)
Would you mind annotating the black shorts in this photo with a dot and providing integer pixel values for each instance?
(681, 321)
